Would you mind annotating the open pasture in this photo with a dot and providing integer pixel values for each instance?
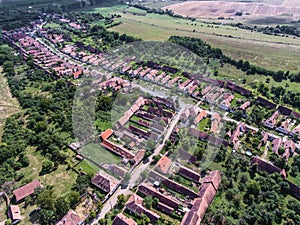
(273, 52)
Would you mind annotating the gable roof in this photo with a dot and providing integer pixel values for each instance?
(266, 166)
(71, 218)
(121, 219)
(106, 134)
(190, 174)
(26, 190)
(266, 103)
(135, 204)
(200, 116)
(245, 105)
(14, 213)
(214, 178)
(164, 164)
(284, 110)
(105, 182)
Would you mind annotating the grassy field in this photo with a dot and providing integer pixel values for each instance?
(8, 105)
(87, 167)
(2, 210)
(229, 72)
(52, 25)
(273, 52)
(98, 154)
(62, 179)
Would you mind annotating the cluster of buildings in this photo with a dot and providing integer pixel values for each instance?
(25, 191)
(42, 56)
(172, 197)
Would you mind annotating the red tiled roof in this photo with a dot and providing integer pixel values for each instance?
(14, 213)
(121, 219)
(105, 182)
(106, 134)
(200, 116)
(164, 164)
(214, 177)
(71, 218)
(26, 190)
(139, 156)
(135, 204)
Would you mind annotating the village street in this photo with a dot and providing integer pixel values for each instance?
(135, 174)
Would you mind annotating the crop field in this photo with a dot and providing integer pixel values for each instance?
(215, 9)
(273, 52)
(8, 105)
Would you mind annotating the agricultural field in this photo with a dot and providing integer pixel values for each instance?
(215, 9)
(8, 104)
(273, 52)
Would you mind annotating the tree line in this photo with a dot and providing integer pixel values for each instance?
(203, 49)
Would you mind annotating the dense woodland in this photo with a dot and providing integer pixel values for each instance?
(250, 196)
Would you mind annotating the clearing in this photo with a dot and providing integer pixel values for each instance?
(8, 104)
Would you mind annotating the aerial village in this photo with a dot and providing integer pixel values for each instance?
(158, 120)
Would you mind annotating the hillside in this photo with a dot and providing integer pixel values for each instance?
(214, 9)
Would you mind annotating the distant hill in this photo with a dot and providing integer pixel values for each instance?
(249, 10)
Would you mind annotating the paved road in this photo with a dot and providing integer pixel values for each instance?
(135, 174)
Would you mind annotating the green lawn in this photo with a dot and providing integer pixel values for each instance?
(87, 167)
(229, 72)
(98, 154)
(52, 25)
(205, 123)
(2, 210)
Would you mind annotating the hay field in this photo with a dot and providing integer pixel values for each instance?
(215, 9)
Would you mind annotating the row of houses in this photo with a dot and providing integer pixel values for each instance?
(193, 209)
(279, 144)
(43, 57)
(268, 167)
(119, 149)
(284, 127)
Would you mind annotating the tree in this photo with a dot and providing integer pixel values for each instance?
(99, 206)
(121, 200)
(253, 188)
(8, 222)
(46, 217)
(47, 167)
(46, 199)
(73, 197)
(126, 178)
(148, 202)
(82, 183)
(8, 67)
(62, 206)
